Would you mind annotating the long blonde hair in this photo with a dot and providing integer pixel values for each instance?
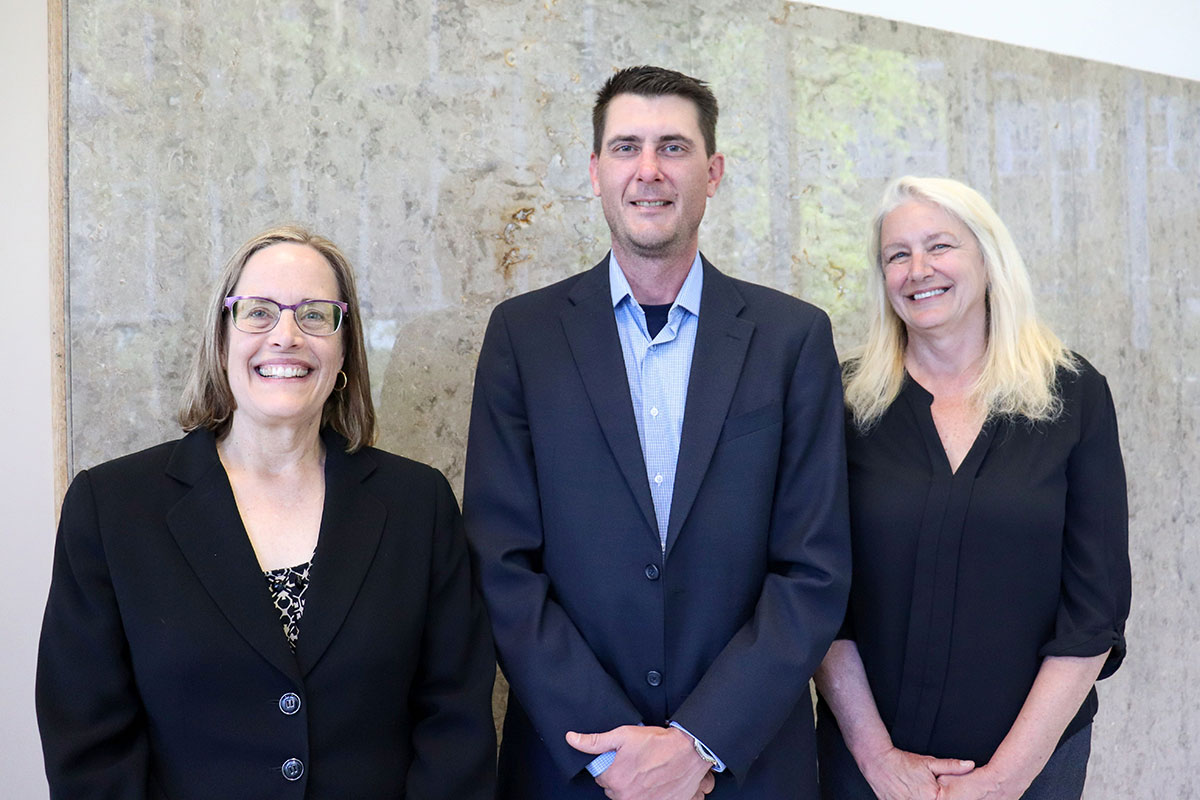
(207, 399)
(1022, 354)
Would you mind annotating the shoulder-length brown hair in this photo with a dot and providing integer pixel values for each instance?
(207, 399)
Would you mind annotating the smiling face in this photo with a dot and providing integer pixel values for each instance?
(933, 271)
(653, 177)
(283, 376)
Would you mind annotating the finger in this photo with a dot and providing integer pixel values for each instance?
(594, 743)
(946, 781)
(707, 783)
(950, 766)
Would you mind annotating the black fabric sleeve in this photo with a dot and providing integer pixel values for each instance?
(1095, 574)
(89, 712)
(454, 740)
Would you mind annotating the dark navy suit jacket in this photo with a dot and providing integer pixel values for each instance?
(595, 626)
(163, 661)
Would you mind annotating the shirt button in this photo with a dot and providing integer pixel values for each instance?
(654, 677)
(654, 411)
(289, 703)
(652, 572)
(292, 769)
(658, 478)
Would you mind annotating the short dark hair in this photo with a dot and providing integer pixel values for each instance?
(650, 81)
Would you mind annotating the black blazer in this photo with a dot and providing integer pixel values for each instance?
(163, 668)
(594, 626)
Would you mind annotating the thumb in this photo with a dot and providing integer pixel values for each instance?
(594, 743)
(950, 766)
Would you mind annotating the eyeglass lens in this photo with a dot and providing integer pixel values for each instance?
(259, 315)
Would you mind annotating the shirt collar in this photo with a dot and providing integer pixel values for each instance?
(687, 299)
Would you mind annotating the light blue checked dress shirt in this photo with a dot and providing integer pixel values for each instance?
(658, 370)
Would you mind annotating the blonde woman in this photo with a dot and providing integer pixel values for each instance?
(269, 606)
(989, 524)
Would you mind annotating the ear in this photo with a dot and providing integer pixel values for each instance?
(593, 166)
(716, 171)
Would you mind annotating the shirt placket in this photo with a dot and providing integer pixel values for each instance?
(658, 420)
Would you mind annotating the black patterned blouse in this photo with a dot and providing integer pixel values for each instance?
(287, 586)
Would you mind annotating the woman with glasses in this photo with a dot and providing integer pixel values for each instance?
(267, 607)
(988, 523)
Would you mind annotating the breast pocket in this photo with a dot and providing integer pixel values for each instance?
(752, 421)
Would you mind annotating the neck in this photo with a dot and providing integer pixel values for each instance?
(948, 360)
(272, 450)
(655, 280)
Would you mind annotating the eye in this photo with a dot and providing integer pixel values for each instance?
(256, 310)
(896, 256)
(940, 246)
(674, 148)
(623, 148)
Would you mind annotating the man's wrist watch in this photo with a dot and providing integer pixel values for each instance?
(704, 753)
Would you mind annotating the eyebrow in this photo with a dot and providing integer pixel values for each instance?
(669, 138)
(928, 238)
(941, 235)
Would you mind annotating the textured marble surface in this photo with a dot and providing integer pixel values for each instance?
(444, 146)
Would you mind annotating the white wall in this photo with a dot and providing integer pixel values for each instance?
(26, 471)
(1153, 35)
(1158, 37)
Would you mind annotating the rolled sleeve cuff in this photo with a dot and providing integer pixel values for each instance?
(719, 766)
(600, 763)
(1081, 644)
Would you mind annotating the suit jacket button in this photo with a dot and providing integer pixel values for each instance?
(654, 677)
(289, 703)
(652, 572)
(292, 769)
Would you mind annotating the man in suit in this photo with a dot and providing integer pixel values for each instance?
(655, 493)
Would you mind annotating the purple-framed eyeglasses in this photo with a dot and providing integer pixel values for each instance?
(261, 314)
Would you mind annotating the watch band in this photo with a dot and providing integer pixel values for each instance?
(704, 752)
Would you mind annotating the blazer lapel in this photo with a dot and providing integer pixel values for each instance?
(209, 531)
(721, 342)
(591, 331)
(351, 527)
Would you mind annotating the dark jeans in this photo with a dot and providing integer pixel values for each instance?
(1061, 779)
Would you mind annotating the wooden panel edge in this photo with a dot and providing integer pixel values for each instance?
(57, 132)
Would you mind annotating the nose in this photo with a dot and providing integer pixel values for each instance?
(648, 166)
(918, 267)
(286, 332)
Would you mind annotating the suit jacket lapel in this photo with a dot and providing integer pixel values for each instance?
(351, 527)
(721, 342)
(208, 529)
(591, 331)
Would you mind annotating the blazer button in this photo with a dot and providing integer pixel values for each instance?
(289, 703)
(652, 572)
(654, 677)
(292, 769)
